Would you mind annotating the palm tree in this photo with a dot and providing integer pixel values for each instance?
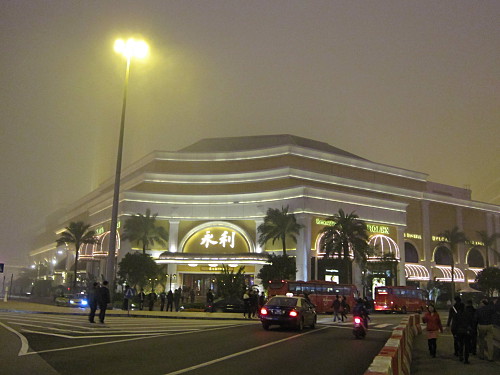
(488, 242)
(278, 225)
(143, 230)
(451, 239)
(78, 234)
(348, 233)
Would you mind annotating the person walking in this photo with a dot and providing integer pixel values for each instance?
(103, 299)
(473, 333)
(93, 295)
(463, 322)
(163, 297)
(434, 326)
(344, 308)
(177, 299)
(449, 323)
(170, 300)
(262, 301)
(191, 295)
(127, 296)
(336, 308)
(246, 305)
(142, 299)
(484, 316)
(152, 297)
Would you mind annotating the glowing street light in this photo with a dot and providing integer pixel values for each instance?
(129, 49)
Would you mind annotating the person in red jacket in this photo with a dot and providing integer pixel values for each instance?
(434, 326)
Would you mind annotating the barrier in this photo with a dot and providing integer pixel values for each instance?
(395, 357)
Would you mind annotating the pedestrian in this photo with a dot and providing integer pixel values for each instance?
(246, 305)
(142, 299)
(344, 308)
(210, 298)
(191, 295)
(127, 296)
(262, 300)
(254, 303)
(103, 299)
(163, 297)
(170, 300)
(463, 321)
(473, 333)
(484, 316)
(434, 326)
(449, 323)
(152, 297)
(93, 295)
(336, 308)
(177, 299)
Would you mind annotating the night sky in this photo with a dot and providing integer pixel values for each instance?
(413, 84)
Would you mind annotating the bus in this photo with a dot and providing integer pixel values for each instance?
(400, 299)
(320, 293)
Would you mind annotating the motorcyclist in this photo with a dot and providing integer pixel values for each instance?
(361, 311)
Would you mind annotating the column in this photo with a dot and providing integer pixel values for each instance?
(426, 255)
(258, 248)
(460, 259)
(173, 236)
(402, 255)
(303, 252)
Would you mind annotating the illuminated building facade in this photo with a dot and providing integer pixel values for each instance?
(212, 196)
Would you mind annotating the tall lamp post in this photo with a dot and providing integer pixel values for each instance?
(129, 49)
(171, 277)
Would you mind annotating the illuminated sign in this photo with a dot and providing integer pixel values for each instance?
(325, 222)
(414, 236)
(225, 238)
(218, 239)
(443, 239)
(377, 228)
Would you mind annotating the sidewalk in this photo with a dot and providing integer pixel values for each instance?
(445, 362)
(24, 306)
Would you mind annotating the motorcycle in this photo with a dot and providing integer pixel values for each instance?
(359, 329)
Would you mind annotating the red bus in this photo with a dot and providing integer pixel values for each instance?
(320, 293)
(400, 298)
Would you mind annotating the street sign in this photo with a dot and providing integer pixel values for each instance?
(1, 267)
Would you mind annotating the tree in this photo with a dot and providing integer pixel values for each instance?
(347, 234)
(488, 281)
(231, 284)
(136, 269)
(278, 225)
(280, 267)
(142, 229)
(451, 239)
(488, 242)
(77, 233)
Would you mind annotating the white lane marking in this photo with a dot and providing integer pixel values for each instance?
(89, 336)
(241, 353)
(123, 340)
(24, 342)
(381, 325)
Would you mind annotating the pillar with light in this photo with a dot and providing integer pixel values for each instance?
(129, 49)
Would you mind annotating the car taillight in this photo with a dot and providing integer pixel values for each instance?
(263, 311)
(357, 320)
(293, 313)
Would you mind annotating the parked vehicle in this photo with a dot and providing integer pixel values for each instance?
(290, 311)
(232, 304)
(72, 300)
(320, 293)
(400, 299)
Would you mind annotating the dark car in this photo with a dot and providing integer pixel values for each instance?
(72, 300)
(231, 304)
(295, 312)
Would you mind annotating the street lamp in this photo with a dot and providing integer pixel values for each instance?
(130, 48)
(171, 277)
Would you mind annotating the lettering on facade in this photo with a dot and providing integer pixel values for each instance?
(377, 228)
(224, 239)
(99, 231)
(325, 222)
(414, 236)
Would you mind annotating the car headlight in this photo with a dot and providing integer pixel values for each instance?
(84, 302)
(71, 301)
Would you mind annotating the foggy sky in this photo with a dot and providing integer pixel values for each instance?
(413, 84)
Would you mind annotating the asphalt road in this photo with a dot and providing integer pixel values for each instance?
(60, 344)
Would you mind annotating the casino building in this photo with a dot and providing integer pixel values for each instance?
(211, 197)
